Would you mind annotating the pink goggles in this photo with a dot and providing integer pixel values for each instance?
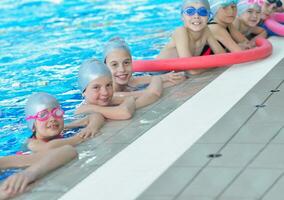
(44, 115)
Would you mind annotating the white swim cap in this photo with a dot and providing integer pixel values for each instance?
(91, 70)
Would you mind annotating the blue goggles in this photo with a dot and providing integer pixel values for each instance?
(190, 11)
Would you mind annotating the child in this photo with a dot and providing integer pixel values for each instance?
(267, 8)
(45, 118)
(249, 13)
(117, 57)
(38, 164)
(194, 37)
(95, 82)
(224, 13)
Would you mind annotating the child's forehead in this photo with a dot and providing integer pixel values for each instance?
(193, 4)
(101, 80)
(118, 53)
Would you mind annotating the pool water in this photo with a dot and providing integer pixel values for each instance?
(44, 42)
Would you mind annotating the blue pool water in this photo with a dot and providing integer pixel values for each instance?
(43, 43)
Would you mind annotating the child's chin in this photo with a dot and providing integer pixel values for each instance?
(197, 29)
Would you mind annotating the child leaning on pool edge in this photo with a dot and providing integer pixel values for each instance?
(249, 13)
(117, 56)
(224, 13)
(96, 85)
(194, 37)
(37, 165)
(45, 118)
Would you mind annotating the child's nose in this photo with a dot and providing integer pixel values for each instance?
(104, 91)
(196, 15)
(121, 68)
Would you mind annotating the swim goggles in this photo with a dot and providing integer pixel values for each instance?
(278, 2)
(190, 11)
(43, 115)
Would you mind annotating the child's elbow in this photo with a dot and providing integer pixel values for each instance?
(127, 113)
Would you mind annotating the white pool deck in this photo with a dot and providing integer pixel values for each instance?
(162, 153)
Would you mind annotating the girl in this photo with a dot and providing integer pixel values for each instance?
(95, 82)
(249, 13)
(224, 13)
(117, 57)
(194, 37)
(38, 164)
(45, 118)
(267, 8)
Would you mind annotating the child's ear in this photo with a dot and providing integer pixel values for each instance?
(34, 130)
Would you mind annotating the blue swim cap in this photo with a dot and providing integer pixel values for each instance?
(115, 44)
(216, 4)
(38, 102)
(91, 70)
(203, 2)
(244, 5)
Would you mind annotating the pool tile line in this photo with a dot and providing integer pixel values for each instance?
(225, 144)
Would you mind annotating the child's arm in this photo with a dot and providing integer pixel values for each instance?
(237, 35)
(168, 79)
(95, 122)
(134, 94)
(213, 43)
(225, 38)
(181, 40)
(241, 40)
(151, 94)
(36, 145)
(43, 163)
(259, 32)
(77, 123)
(121, 112)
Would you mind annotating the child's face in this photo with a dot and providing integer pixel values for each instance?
(99, 91)
(227, 14)
(119, 63)
(50, 127)
(251, 17)
(267, 9)
(192, 17)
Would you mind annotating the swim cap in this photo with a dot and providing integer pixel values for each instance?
(204, 2)
(216, 4)
(91, 70)
(114, 44)
(38, 102)
(244, 5)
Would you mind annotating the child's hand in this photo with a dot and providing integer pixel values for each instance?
(252, 44)
(87, 132)
(16, 184)
(174, 77)
(245, 45)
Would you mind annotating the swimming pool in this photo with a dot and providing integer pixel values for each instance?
(44, 42)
